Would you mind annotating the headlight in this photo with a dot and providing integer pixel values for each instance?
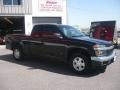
(98, 46)
(100, 50)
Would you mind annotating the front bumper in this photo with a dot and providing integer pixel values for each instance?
(103, 61)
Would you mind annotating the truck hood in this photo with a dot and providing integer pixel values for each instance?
(94, 41)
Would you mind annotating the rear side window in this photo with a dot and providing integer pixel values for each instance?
(45, 28)
(37, 28)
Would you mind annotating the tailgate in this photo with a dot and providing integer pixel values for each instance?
(8, 41)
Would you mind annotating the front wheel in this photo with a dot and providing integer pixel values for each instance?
(17, 54)
(79, 63)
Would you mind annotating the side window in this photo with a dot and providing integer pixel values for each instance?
(50, 29)
(51, 32)
(37, 28)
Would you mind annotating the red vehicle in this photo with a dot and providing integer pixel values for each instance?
(103, 30)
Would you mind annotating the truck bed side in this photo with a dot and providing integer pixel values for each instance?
(12, 39)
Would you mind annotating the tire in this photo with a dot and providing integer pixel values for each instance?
(79, 63)
(17, 54)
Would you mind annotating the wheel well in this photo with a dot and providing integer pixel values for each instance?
(15, 44)
(82, 51)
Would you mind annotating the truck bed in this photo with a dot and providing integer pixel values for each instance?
(14, 38)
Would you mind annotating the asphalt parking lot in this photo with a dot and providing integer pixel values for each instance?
(40, 74)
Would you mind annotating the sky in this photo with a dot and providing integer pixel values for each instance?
(83, 12)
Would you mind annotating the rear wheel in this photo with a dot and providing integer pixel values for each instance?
(17, 54)
(79, 63)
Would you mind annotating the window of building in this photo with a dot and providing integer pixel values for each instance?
(12, 2)
(7, 2)
(17, 2)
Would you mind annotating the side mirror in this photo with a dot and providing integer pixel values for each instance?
(58, 35)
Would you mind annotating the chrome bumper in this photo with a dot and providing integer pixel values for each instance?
(105, 58)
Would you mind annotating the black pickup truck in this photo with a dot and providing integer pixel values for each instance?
(62, 42)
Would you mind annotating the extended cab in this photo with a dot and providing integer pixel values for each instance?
(64, 43)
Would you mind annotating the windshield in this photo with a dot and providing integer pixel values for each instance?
(71, 32)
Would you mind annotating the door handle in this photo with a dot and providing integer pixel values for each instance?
(40, 43)
(37, 43)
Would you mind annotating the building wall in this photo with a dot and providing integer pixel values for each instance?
(28, 24)
(36, 9)
(25, 8)
(50, 8)
(47, 9)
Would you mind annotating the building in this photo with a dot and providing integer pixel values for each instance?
(18, 16)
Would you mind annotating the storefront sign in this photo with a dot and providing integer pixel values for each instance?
(51, 5)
